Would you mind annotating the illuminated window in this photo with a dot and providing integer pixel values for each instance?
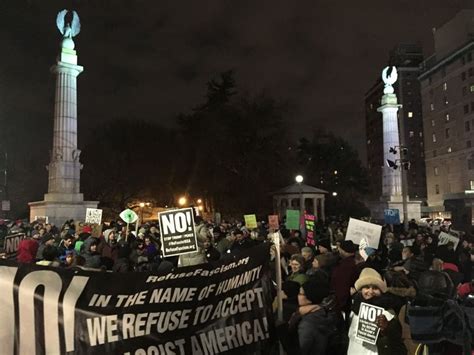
(432, 123)
(434, 138)
(435, 170)
(471, 184)
(447, 117)
(432, 107)
(420, 134)
(445, 86)
(445, 100)
(412, 134)
(449, 150)
(471, 88)
(410, 114)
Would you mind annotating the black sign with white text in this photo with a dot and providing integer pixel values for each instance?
(219, 307)
(177, 232)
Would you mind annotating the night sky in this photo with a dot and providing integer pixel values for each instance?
(151, 59)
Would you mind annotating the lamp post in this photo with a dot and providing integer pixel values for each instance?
(299, 179)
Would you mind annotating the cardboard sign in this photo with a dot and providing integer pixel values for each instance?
(250, 221)
(292, 219)
(444, 238)
(357, 230)
(309, 226)
(93, 215)
(96, 230)
(129, 216)
(367, 329)
(178, 235)
(391, 216)
(273, 222)
(11, 243)
(42, 219)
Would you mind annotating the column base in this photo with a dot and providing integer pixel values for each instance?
(377, 209)
(59, 212)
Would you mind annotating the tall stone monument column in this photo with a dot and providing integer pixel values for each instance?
(64, 200)
(392, 192)
(391, 178)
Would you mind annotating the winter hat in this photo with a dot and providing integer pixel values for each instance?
(316, 292)
(348, 246)
(291, 288)
(325, 243)
(107, 234)
(369, 276)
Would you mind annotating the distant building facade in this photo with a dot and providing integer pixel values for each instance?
(447, 89)
(407, 58)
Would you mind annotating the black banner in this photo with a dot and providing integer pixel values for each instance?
(221, 307)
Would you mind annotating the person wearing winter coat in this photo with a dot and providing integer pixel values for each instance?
(27, 249)
(297, 270)
(372, 289)
(318, 323)
(91, 255)
(198, 257)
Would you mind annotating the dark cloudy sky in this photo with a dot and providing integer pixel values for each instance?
(151, 59)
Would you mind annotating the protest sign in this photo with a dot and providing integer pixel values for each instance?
(177, 232)
(250, 221)
(41, 219)
(357, 230)
(5, 205)
(367, 329)
(444, 238)
(217, 307)
(309, 226)
(391, 216)
(10, 244)
(93, 215)
(292, 219)
(128, 216)
(273, 222)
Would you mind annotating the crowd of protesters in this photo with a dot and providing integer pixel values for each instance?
(325, 280)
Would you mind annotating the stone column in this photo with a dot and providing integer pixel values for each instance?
(315, 207)
(323, 213)
(64, 167)
(391, 178)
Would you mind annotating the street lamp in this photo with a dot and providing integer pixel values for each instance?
(299, 179)
(199, 201)
(182, 201)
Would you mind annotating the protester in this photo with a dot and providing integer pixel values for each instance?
(344, 275)
(371, 289)
(297, 270)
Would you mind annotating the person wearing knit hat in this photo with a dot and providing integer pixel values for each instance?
(371, 289)
(318, 323)
(324, 246)
(348, 246)
(370, 277)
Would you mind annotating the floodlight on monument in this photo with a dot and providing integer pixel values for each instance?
(299, 179)
(391, 164)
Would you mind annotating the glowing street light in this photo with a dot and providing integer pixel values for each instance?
(142, 204)
(182, 201)
(199, 200)
(299, 179)
(334, 193)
